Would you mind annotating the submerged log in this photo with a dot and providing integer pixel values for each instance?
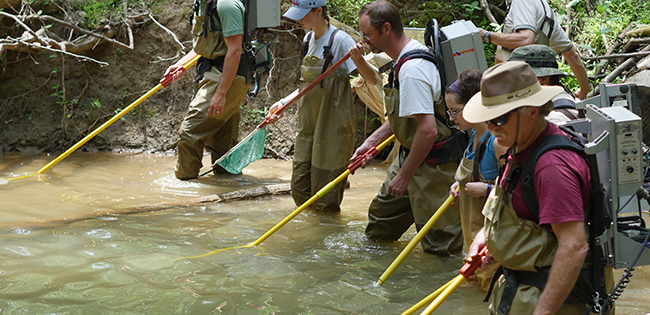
(243, 194)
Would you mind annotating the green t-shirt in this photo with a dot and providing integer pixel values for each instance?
(231, 13)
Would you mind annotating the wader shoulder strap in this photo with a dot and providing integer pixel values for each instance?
(548, 19)
(478, 155)
(327, 54)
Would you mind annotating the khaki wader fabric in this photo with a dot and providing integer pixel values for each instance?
(198, 130)
(519, 244)
(390, 216)
(325, 138)
(471, 217)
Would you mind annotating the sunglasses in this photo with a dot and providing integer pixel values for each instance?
(454, 113)
(503, 119)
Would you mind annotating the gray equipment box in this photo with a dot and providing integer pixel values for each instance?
(462, 49)
(263, 13)
(612, 95)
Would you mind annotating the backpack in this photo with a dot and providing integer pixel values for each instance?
(599, 217)
(249, 67)
(452, 148)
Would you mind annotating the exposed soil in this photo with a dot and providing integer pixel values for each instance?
(49, 102)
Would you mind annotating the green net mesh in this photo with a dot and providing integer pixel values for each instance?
(245, 152)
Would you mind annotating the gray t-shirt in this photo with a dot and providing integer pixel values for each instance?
(419, 84)
(340, 46)
(529, 15)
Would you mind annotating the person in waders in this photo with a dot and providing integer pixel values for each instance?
(479, 167)
(212, 120)
(534, 22)
(417, 182)
(543, 251)
(325, 137)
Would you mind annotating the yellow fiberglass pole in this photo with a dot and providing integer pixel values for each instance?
(351, 168)
(453, 285)
(418, 237)
(119, 115)
(427, 299)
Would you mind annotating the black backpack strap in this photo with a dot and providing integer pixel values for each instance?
(413, 54)
(303, 51)
(564, 103)
(566, 113)
(553, 142)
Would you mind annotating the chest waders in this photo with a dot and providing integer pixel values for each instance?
(526, 251)
(390, 216)
(471, 217)
(325, 139)
(198, 130)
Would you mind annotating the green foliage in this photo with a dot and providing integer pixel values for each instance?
(345, 10)
(98, 10)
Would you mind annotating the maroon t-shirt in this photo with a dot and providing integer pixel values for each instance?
(562, 184)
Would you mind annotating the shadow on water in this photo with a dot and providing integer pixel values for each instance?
(132, 264)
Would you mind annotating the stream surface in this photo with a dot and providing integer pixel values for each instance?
(95, 262)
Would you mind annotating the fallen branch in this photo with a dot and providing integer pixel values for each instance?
(83, 31)
(486, 8)
(160, 59)
(610, 51)
(612, 56)
(624, 66)
(41, 48)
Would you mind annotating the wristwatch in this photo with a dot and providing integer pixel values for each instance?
(486, 38)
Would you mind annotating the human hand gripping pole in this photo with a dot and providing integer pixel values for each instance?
(418, 237)
(163, 83)
(351, 169)
(440, 295)
(267, 119)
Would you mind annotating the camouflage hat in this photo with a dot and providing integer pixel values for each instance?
(540, 57)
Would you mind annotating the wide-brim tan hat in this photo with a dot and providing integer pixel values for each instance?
(504, 87)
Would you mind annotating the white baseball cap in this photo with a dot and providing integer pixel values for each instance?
(300, 8)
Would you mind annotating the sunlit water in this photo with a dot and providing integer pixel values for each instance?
(133, 263)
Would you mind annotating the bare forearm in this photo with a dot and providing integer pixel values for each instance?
(569, 257)
(367, 72)
(230, 66)
(381, 134)
(578, 68)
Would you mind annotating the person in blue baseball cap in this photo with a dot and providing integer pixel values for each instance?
(325, 139)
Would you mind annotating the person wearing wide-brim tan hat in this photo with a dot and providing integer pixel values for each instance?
(543, 253)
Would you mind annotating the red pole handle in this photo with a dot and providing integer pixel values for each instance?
(473, 263)
(357, 162)
(309, 87)
(168, 78)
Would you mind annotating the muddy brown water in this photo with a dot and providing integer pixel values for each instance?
(133, 263)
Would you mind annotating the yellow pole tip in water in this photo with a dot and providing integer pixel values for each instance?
(376, 284)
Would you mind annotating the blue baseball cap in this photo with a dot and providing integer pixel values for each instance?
(300, 8)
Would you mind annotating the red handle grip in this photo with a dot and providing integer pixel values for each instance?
(168, 78)
(357, 162)
(473, 263)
